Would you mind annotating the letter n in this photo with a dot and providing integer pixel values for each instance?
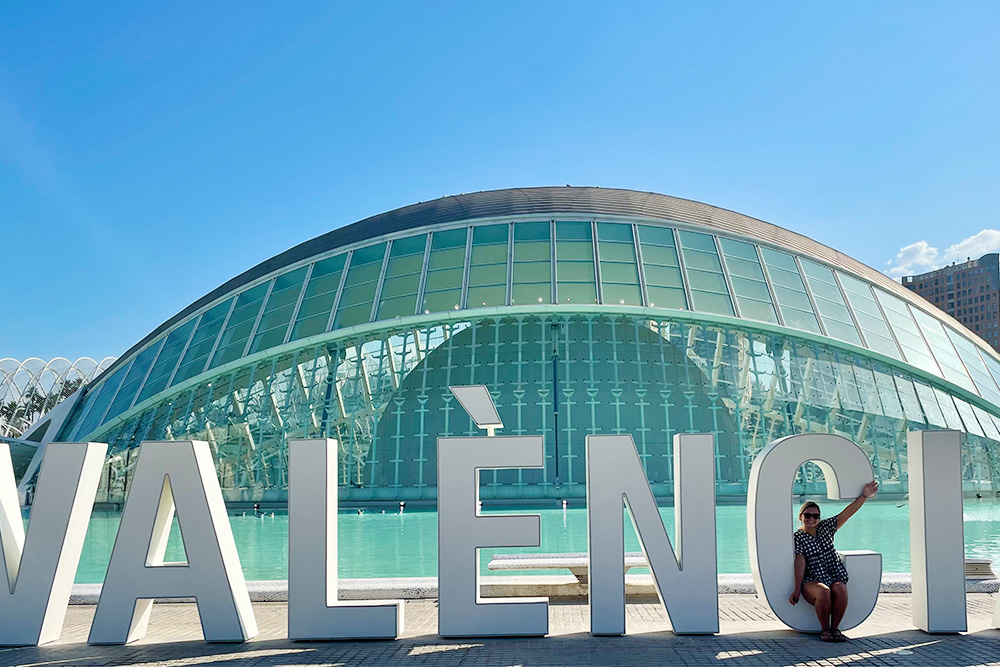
(686, 581)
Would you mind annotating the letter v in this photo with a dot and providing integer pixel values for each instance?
(41, 567)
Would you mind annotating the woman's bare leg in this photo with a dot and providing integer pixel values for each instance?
(838, 604)
(818, 595)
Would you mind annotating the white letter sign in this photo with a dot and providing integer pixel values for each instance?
(937, 536)
(40, 569)
(174, 473)
(314, 611)
(462, 530)
(689, 578)
(770, 528)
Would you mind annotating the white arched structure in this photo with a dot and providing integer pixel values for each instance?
(31, 388)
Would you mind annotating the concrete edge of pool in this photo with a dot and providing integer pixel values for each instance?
(554, 586)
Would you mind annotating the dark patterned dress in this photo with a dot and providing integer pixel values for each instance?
(823, 564)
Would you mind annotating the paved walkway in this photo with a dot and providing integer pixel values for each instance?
(750, 636)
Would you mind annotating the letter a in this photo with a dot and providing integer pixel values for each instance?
(173, 474)
(313, 609)
(687, 583)
(40, 569)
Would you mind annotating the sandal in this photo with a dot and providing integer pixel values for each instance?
(827, 636)
(839, 636)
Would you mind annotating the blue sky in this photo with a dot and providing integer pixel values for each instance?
(150, 152)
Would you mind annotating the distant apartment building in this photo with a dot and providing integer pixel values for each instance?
(968, 292)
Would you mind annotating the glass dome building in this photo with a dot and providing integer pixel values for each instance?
(584, 310)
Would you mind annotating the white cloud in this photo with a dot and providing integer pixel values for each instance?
(921, 257)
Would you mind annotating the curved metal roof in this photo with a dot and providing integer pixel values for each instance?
(593, 201)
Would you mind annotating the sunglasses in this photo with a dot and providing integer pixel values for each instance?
(811, 515)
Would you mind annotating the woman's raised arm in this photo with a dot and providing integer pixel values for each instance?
(869, 491)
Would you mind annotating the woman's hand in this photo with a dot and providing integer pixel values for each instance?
(794, 597)
(871, 488)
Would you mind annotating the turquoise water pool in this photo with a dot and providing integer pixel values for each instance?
(405, 544)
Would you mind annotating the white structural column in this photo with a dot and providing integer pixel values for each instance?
(40, 568)
(937, 545)
(770, 524)
(686, 581)
(175, 474)
(314, 611)
(462, 531)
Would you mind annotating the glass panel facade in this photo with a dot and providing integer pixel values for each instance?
(202, 342)
(402, 277)
(830, 302)
(136, 374)
(240, 325)
(869, 316)
(790, 291)
(943, 350)
(488, 266)
(278, 311)
(445, 267)
(532, 271)
(746, 386)
(355, 305)
(576, 280)
(99, 405)
(905, 330)
(317, 302)
(747, 389)
(161, 371)
(974, 364)
(664, 284)
(749, 287)
(704, 273)
(619, 271)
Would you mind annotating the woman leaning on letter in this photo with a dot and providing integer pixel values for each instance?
(820, 575)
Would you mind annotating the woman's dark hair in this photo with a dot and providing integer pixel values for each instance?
(806, 505)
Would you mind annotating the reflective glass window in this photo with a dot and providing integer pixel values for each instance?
(974, 364)
(202, 342)
(234, 337)
(869, 317)
(948, 409)
(704, 274)
(355, 305)
(317, 302)
(445, 267)
(532, 270)
(576, 281)
(887, 393)
(789, 290)
(619, 270)
(132, 382)
(943, 350)
(830, 302)
(969, 418)
(100, 403)
(664, 285)
(929, 403)
(488, 266)
(747, 278)
(161, 371)
(402, 277)
(915, 350)
(278, 310)
(908, 398)
(989, 428)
